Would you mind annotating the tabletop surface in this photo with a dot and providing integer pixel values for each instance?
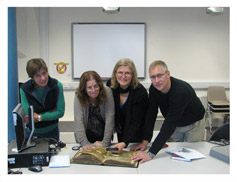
(160, 164)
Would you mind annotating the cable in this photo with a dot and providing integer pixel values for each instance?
(76, 147)
(14, 172)
(222, 142)
(54, 144)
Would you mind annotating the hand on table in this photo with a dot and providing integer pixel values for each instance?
(97, 144)
(142, 156)
(142, 146)
(120, 147)
(87, 147)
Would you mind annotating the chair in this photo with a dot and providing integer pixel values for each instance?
(221, 133)
(217, 104)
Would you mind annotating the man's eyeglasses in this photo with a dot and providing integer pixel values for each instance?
(96, 87)
(120, 73)
(160, 75)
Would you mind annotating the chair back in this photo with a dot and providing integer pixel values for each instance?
(221, 133)
(216, 96)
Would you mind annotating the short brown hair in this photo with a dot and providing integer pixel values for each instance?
(34, 65)
(125, 62)
(81, 90)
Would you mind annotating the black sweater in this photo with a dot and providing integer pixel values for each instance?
(180, 107)
(135, 114)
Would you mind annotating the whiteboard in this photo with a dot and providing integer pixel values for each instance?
(98, 47)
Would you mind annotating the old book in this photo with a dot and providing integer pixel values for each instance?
(100, 156)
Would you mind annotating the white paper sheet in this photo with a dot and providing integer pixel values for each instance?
(59, 161)
(186, 154)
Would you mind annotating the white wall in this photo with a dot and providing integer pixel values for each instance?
(193, 44)
(28, 38)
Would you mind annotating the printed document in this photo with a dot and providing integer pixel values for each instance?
(185, 154)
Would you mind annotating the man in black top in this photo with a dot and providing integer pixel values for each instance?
(180, 106)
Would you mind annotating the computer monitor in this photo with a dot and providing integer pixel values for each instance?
(31, 126)
(22, 141)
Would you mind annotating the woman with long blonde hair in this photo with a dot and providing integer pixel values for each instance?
(131, 103)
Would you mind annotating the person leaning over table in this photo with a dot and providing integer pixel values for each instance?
(46, 96)
(131, 103)
(180, 106)
(93, 112)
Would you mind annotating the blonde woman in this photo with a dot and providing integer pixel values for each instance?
(131, 103)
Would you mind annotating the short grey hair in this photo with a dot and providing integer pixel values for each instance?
(158, 63)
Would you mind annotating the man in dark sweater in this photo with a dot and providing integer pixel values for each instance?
(180, 106)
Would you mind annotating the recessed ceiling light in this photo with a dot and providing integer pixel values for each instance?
(111, 10)
(215, 10)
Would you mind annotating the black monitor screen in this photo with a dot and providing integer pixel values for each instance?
(23, 139)
(20, 127)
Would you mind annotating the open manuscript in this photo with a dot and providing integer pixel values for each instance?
(100, 156)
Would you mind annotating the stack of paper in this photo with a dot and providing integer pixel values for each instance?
(185, 154)
(59, 161)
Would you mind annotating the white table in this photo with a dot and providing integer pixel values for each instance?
(161, 164)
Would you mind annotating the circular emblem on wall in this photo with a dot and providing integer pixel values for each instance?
(61, 67)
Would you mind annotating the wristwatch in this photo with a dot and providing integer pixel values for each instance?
(39, 117)
(151, 155)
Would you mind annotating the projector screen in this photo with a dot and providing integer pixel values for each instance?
(98, 47)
